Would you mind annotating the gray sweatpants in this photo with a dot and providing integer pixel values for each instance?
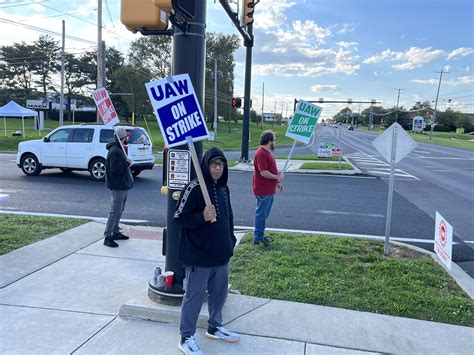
(215, 280)
(117, 201)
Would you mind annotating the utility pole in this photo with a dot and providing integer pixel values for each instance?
(100, 84)
(398, 100)
(61, 98)
(215, 99)
(247, 91)
(263, 99)
(433, 123)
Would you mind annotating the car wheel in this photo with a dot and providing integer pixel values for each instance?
(30, 165)
(97, 169)
(65, 170)
(136, 172)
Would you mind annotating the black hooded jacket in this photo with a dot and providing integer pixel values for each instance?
(117, 169)
(204, 243)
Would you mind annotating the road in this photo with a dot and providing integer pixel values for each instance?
(311, 202)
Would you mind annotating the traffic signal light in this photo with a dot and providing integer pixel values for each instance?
(136, 14)
(236, 102)
(248, 8)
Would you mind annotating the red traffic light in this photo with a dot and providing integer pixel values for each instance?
(236, 102)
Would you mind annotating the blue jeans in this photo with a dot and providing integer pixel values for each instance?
(264, 206)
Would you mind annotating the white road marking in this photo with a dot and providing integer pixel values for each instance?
(352, 213)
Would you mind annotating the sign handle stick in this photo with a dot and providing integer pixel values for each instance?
(197, 168)
(288, 159)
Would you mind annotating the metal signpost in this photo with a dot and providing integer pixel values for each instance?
(393, 144)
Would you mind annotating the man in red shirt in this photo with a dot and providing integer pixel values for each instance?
(265, 182)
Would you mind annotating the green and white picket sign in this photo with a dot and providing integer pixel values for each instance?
(302, 125)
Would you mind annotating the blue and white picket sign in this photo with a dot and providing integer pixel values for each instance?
(177, 110)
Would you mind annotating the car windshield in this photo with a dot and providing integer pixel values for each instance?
(137, 136)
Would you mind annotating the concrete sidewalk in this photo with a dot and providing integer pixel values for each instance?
(71, 294)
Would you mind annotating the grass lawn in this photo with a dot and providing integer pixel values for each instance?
(18, 231)
(224, 139)
(326, 166)
(350, 273)
(450, 139)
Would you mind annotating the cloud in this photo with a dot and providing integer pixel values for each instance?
(460, 80)
(273, 15)
(323, 87)
(428, 81)
(379, 57)
(460, 52)
(347, 27)
(412, 58)
(310, 28)
(346, 45)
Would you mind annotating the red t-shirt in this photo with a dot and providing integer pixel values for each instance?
(264, 160)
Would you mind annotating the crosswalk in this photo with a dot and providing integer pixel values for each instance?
(373, 166)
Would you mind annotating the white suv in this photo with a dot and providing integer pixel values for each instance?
(82, 147)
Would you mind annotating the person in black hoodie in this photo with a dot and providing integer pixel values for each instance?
(119, 180)
(205, 249)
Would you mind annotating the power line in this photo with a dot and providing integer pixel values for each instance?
(38, 29)
(16, 4)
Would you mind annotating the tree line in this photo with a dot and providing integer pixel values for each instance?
(32, 71)
(446, 121)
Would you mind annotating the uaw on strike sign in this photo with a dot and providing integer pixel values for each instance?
(105, 107)
(177, 109)
(304, 121)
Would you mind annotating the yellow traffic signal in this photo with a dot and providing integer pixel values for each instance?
(136, 14)
(248, 8)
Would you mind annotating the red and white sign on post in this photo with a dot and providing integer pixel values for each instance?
(105, 107)
(443, 245)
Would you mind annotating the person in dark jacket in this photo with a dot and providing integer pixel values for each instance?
(119, 180)
(205, 249)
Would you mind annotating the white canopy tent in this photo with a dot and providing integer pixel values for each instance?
(12, 109)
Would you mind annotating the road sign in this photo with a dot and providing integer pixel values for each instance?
(177, 110)
(179, 168)
(304, 121)
(443, 240)
(402, 142)
(105, 107)
(418, 124)
(336, 152)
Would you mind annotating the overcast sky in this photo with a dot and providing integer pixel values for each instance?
(334, 49)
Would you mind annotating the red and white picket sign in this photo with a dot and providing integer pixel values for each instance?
(105, 107)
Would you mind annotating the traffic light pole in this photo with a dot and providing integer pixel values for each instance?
(244, 156)
(189, 55)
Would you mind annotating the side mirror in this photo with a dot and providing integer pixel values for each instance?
(45, 139)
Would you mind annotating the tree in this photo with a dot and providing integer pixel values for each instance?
(221, 47)
(344, 115)
(17, 73)
(130, 80)
(75, 79)
(47, 63)
(151, 54)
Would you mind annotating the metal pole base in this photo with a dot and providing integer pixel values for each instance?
(171, 296)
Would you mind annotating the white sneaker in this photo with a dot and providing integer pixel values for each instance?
(190, 347)
(224, 334)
